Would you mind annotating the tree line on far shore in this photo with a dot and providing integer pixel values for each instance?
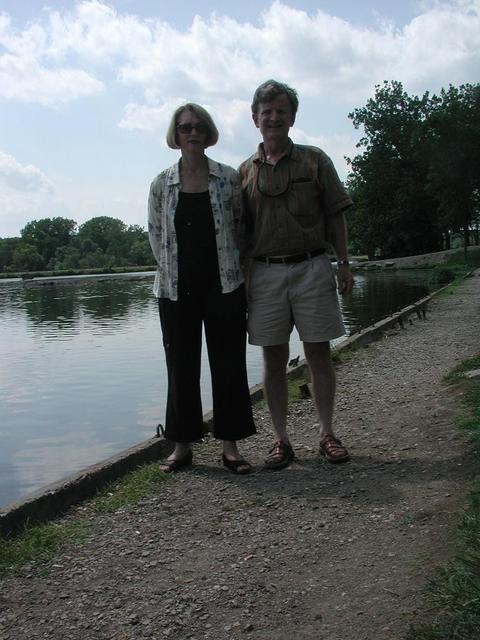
(415, 184)
(55, 244)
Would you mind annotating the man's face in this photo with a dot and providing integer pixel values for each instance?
(274, 119)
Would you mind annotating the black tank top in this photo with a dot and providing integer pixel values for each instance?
(197, 246)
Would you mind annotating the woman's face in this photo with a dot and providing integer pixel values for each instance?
(191, 132)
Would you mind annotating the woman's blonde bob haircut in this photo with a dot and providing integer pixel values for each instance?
(202, 114)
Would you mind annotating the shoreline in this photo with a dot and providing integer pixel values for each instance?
(54, 499)
(421, 261)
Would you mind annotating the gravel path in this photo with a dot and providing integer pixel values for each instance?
(313, 552)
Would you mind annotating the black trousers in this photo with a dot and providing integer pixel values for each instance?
(224, 319)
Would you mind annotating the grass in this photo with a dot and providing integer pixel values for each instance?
(293, 390)
(458, 258)
(294, 393)
(454, 269)
(455, 593)
(40, 543)
(130, 489)
(469, 422)
(458, 373)
(303, 377)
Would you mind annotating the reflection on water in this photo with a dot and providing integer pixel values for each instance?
(82, 371)
(378, 295)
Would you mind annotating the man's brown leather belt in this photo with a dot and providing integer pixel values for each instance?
(299, 257)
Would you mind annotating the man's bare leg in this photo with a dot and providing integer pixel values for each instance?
(323, 381)
(275, 359)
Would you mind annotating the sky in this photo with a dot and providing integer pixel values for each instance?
(87, 88)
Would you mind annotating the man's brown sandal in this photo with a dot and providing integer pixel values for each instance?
(333, 449)
(280, 456)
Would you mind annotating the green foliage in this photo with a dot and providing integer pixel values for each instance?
(52, 244)
(294, 392)
(47, 234)
(458, 372)
(139, 249)
(458, 258)
(455, 268)
(35, 544)
(451, 136)
(131, 489)
(417, 179)
(25, 257)
(40, 543)
(470, 421)
(67, 257)
(7, 249)
(442, 275)
(105, 233)
(455, 593)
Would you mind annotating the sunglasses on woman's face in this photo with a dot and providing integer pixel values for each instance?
(187, 127)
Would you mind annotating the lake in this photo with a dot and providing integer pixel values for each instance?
(82, 368)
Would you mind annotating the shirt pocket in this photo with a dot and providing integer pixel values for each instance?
(303, 202)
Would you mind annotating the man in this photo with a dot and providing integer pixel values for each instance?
(295, 206)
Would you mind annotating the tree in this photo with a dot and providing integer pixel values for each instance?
(26, 258)
(452, 136)
(138, 246)
(394, 212)
(417, 179)
(47, 235)
(7, 249)
(108, 234)
(67, 257)
(102, 242)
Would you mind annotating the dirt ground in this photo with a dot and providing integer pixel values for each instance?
(315, 551)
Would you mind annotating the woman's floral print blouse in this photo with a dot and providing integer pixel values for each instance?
(225, 199)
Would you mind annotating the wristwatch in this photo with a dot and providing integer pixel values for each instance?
(346, 263)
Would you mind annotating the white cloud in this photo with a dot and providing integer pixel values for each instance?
(27, 76)
(320, 54)
(95, 31)
(24, 179)
(440, 47)
(145, 117)
(25, 193)
(25, 80)
(229, 115)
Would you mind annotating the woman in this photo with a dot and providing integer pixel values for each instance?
(193, 226)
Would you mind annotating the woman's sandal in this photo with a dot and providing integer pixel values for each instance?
(333, 449)
(177, 465)
(240, 467)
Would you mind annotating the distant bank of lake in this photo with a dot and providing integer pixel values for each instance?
(83, 371)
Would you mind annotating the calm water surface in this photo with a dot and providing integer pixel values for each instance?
(82, 368)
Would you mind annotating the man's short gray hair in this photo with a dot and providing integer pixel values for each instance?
(271, 89)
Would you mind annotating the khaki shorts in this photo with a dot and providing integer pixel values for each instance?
(302, 294)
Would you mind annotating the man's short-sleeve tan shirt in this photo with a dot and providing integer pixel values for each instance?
(288, 204)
